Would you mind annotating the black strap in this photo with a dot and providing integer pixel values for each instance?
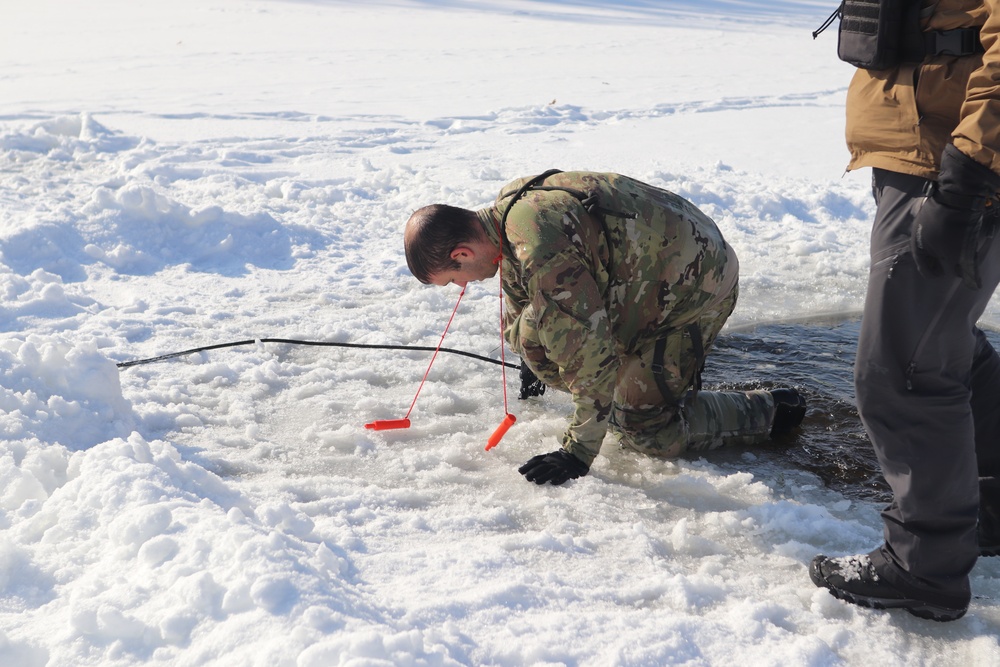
(589, 201)
(520, 193)
(697, 349)
(957, 42)
(657, 368)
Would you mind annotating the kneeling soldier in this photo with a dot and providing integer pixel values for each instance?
(614, 291)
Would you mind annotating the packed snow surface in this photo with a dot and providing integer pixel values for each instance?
(181, 174)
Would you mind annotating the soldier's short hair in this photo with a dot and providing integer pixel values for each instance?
(432, 232)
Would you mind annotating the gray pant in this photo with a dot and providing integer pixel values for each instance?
(928, 391)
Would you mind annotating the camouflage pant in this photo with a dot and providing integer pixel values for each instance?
(646, 421)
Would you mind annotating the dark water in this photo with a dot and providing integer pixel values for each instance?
(817, 357)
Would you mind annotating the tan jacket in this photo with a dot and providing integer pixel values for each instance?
(900, 119)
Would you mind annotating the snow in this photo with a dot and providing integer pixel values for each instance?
(195, 172)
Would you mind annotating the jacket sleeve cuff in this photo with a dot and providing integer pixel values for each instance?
(585, 453)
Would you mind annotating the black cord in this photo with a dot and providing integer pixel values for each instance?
(419, 348)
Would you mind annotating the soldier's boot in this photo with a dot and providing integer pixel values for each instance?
(789, 409)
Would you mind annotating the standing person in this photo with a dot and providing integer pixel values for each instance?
(614, 291)
(926, 378)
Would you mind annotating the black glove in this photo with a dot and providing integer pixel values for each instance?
(555, 468)
(948, 232)
(530, 384)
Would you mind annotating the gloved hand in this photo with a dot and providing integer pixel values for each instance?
(530, 384)
(948, 232)
(555, 468)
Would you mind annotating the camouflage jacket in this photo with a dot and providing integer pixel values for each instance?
(584, 289)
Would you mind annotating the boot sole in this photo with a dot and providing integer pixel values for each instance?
(916, 607)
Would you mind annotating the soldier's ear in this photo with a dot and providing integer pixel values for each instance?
(462, 252)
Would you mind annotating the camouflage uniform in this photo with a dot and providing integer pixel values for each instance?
(588, 295)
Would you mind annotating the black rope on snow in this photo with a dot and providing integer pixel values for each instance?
(418, 348)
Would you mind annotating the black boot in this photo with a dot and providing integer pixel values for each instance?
(854, 579)
(789, 409)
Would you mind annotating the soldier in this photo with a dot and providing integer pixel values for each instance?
(927, 380)
(614, 292)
